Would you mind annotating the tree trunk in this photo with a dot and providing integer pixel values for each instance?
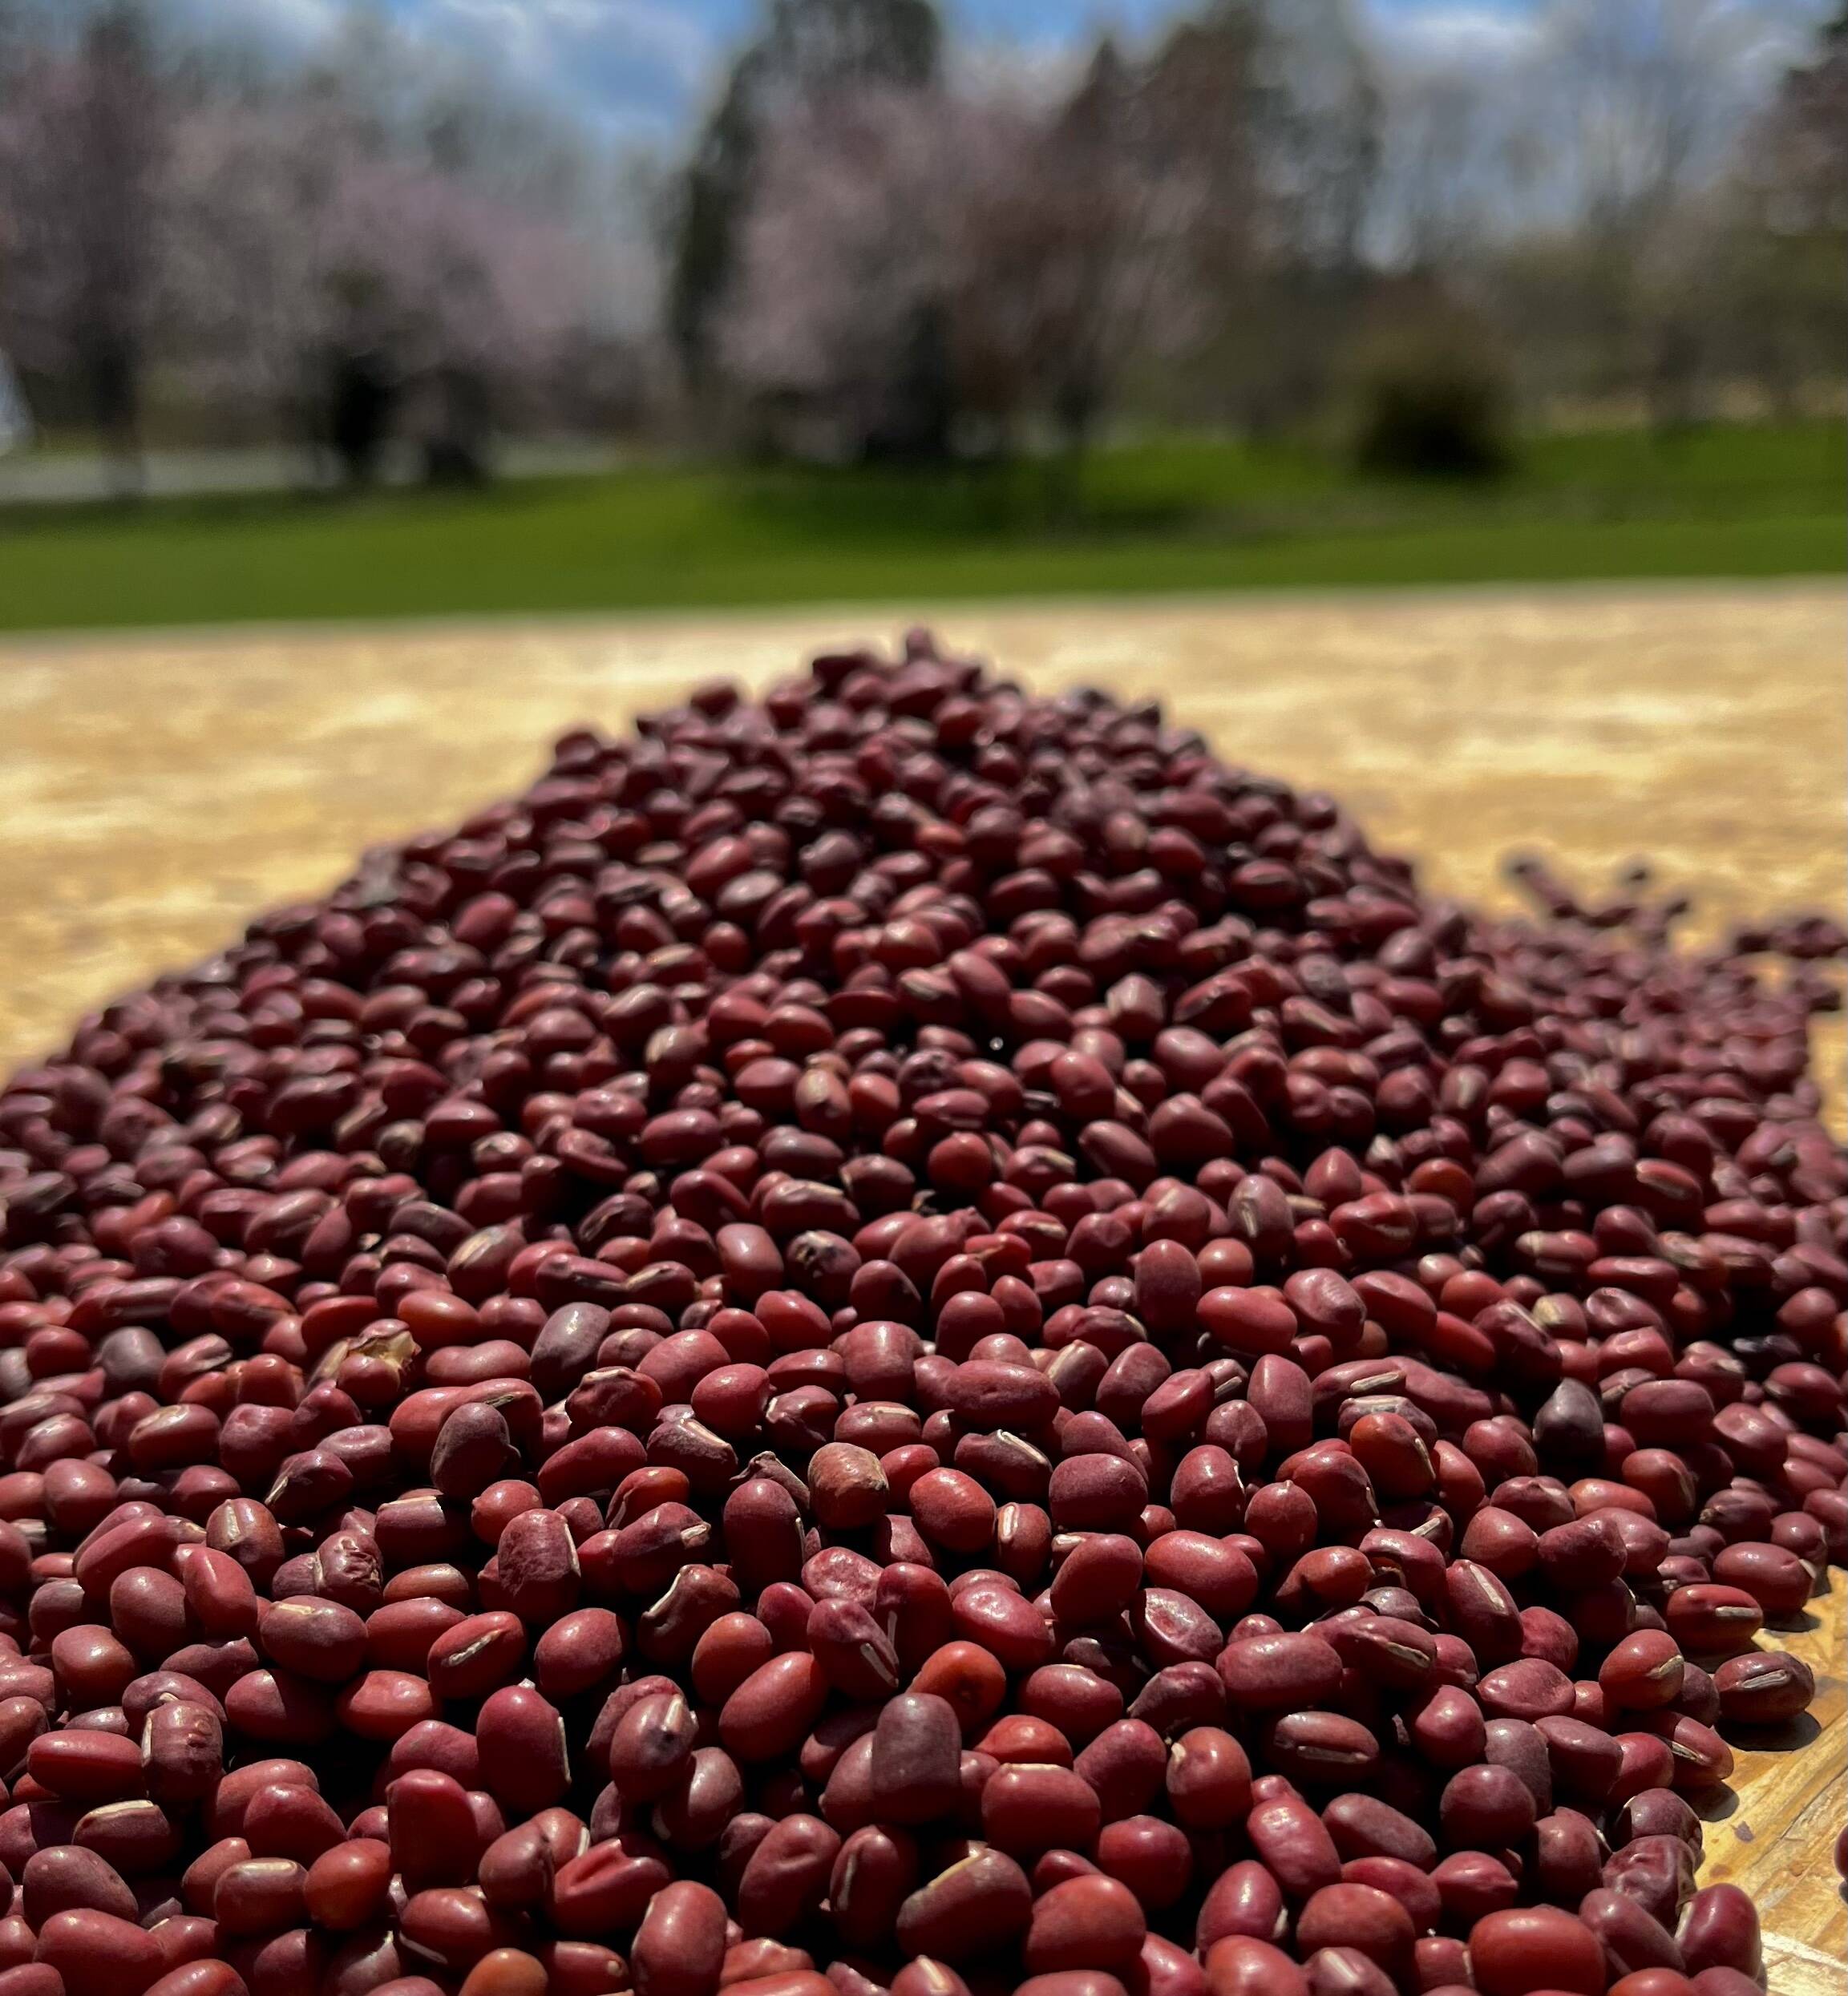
(1076, 412)
(115, 386)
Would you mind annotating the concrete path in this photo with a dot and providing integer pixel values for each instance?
(71, 478)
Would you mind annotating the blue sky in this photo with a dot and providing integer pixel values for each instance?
(642, 68)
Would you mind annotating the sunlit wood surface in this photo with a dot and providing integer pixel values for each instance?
(1774, 1833)
(156, 791)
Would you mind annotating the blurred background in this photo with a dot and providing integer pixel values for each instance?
(310, 309)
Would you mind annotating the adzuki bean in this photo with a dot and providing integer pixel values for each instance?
(907, 1337)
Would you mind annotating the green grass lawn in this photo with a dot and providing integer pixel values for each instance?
(1760, 501)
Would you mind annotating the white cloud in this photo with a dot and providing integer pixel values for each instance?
(644, 57)
(290, 23)
(1041, 68)
(629, 68)
(654, 29)
(1489, 35)
(1440, 34)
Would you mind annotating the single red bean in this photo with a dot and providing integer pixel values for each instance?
(1277, 1673)
(1244, 1899)
(200, 1978)
(1209, 1779)
(875, 1871)
(521, 1739)
(347, 1887)
(1701, 1759)
(847, 1487)
(1125, 1766)
(516, 1871)
(97, 1954)
(1363, 1826)
(1362, 1917)
(31, 1978)
(787, 1875)
(952, 1511)
(1643, 1671)
(1028, 1807)
(1486, 1808)
(607, 1887)
(1472, 1884)
(506, 1971)
(1764, 1687)
(770, 1710)
(1707, 1619)
(1321, 1748)
(679, 1947)
(652, 1745)
(1656, 1871)
(1540, 1947)
(1242, 1965)
(914, 1764)
(63, 1877)
(1152, 1858)
(86, 1766)
(1072, 1982)
(977, 1903)
(1288, 1838)
(260, 1896)
(430, 1828)
(1086, 1922)
(476, 1655)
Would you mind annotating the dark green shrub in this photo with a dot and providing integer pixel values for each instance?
(1432, 411)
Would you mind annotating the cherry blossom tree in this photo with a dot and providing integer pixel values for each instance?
(295, 242)
(257, 236)
(1038, 248)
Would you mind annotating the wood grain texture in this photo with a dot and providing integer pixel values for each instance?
(1772, 1832)
(154, 792)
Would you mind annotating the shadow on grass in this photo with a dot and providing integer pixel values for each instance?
(1021, 498)
(1248, 499)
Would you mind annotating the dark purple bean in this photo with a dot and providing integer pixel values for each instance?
(914, 1768)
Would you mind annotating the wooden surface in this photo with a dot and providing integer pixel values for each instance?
(1773, 1831)
(154, 792)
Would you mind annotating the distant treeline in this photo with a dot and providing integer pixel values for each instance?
(883, 244)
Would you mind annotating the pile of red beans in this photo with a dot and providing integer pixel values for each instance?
(911, 1337)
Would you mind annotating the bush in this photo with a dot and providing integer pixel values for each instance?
(1432, 411)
